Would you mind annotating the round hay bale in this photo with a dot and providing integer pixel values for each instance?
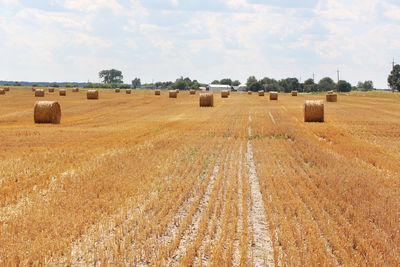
(92, 94)
(117, 90)
(331, 98)
(314, 111)
(128, 91)
(7, 89)
(75, 90)
(39, 93)
(273, 95)
(330, 92)
(157, 92)
(47, 112)
(294, 93)
(51, 90)
(224, 93)
(229, 92)
(192, 92)
(206, 100)
(63, 92)
(2, 92)
(173, 94)
(249, 92)
(261, 93)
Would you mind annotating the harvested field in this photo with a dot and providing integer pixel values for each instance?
(145, 180)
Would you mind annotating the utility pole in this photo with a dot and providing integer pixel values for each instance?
(338, 80)
(313, 81)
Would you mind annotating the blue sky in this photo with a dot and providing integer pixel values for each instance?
(72, 40)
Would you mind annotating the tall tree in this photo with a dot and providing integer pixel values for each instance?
(394, 78)
(215, 82)
(235, 83)
(326, 84)
(344, 86)
(251, 80)
(111, 76)
(136, 83)
(226, 81)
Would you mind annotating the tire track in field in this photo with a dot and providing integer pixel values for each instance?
(261, 251)
(190, 233)
(204, 255)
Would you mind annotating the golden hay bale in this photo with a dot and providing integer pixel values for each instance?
(128, 91)
(224, 93)
(261, 93)
(314, 111)
(331, 98)
(117, 90)
(173, 94)
(192, 92)
(177, 91)
(294, 93)
(6, 89)
(330, 92)
(92, 94)
(273, 95)
(157, 92)
(75, 90)
(249, 92)
(63, 92)
(47, 112)
(51, 90)
(206, 100)
(39, 92)
(2, 92)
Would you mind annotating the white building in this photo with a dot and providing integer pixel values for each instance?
(218, 87)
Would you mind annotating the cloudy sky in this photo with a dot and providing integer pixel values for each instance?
(72, 40)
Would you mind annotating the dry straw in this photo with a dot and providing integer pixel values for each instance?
(92, 94)
(157, 92)
(330, 92)
(128, 91)
(2, 92)
(75, 90)
(224, 93)
(192, 92)
(294, 93)
(63, 92)
(39, 92)
(51, 90)
(314, 111)
(177, 91)
(117, 90)
(273, 95)
(249, 92)
(261, 93)
(229, 92)
(47, 112)
(7, 89)
(206, 100)
(173, 94)
(331, 98)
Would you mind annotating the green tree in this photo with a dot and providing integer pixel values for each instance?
(289, 84)
(344, 86)
(250, 81)
(309, 85)
(394, 78)
(111, 76)
(326, 84)
(215, 82)
(367, 85)
(226, 81)
(235, 83)
(180, 84)
(255, 86)
(136, 83)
